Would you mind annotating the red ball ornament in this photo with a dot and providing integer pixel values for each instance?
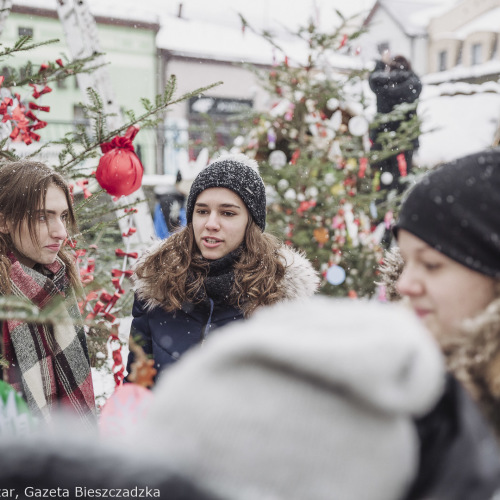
(120, 171)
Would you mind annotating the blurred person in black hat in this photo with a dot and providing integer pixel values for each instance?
(448, 269)
(220, 268)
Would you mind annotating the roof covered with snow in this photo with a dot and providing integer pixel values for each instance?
(190, 36)
(210, 41)
(412, 15)
(489, 22)
(113, 9)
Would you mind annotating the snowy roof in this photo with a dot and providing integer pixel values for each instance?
(197, 38)
(113, 9)
(463, 72)
(413, 15)
(210, 41)
(489, 21)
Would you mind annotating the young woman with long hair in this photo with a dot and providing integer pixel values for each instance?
(48, 363)
(220, 268)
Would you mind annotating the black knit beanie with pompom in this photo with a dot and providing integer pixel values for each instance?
(240, 174)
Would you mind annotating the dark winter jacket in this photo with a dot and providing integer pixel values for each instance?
(392, 88)
(459, 457)
(167, 335)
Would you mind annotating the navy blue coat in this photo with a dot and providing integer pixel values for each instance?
(168, 335)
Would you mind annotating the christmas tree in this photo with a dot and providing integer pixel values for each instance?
(313, 147)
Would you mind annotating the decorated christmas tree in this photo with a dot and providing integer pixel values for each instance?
(314, 151)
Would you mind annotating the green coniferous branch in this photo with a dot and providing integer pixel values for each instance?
(144, 119)
(102, 209)
(24, 75)
(5, 153)
(23, 43)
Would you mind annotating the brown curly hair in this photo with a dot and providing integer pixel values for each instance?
(182, 271)
(23, 188)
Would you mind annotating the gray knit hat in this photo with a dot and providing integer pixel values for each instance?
(240, 174)
(300, 402)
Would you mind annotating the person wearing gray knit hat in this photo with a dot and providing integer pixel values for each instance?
(219, 268)
(317, 400)
(448, 234)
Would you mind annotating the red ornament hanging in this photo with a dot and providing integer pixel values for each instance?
(402, 166)
(120, 170)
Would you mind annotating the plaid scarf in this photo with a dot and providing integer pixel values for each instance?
(49, 363)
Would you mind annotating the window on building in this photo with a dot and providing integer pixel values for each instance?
(79, 118)
(460, 53)
(494, 48)
(442, 56)
(24, 31)
(476, 53)
(61, 83)
(215, 119)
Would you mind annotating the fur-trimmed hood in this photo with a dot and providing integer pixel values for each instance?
(473, 355)
(301, 280)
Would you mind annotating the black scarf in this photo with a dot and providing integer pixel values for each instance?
(220, 278)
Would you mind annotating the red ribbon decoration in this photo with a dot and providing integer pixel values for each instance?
(118, 368)
(83, 183)
(120, 253)
(37, 93)
(295, 156)
(402, 166)
(119, 272)
(36, 107)
(305, 205)
(343, 41)
(363, 164)
(130, 232)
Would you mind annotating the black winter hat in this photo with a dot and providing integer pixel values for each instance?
(456, 210)
(240, 174)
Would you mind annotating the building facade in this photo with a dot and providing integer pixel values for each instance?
(130, 48)
(463, 42)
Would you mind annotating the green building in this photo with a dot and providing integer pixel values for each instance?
(130, 48)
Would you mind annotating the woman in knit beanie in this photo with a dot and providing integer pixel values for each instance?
(219, 268)
(448, 235)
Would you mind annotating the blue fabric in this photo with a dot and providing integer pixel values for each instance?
(167, 336)
(160, 225)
